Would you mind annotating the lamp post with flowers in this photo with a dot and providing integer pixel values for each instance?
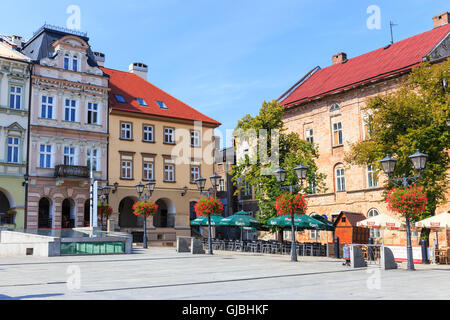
(287, 203)
(210, 205)
(145, 208)
(388, 164)
(103, 195)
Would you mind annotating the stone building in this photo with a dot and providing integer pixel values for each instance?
(155, 137)
(68, 128)
(14, 108)
(326, 107)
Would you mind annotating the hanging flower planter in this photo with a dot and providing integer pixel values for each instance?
(289, 204)
(104, 210)
(410, 202)
(145, 208)
(209, 206)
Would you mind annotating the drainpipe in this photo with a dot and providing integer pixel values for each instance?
(27, 174)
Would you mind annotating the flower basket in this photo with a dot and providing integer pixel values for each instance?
(209, 206)
(145, 208)
(410, 202)
(289, 204)
(104, 210)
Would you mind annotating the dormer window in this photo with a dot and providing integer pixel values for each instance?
(334, 107)
(119, 98)
(162, 105)
(75, 63)
(66, 62)
(142, 102)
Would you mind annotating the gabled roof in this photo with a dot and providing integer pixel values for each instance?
(374, 65)
(353, 217)
(130, 86)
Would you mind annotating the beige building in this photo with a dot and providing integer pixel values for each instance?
(155, 137)
(326, 108)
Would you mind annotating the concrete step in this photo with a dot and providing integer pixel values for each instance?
(158, 243)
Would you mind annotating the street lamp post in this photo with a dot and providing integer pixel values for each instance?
(280, 176)
(419, 161)
(104, 198)
(201, 183)
(146, 191)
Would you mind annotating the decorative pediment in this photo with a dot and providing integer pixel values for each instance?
(72, 41)
(15, 127)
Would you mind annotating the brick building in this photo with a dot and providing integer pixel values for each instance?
(326, 107)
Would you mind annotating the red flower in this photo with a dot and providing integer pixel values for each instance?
(145, 208)
(409, 202)
(209, 206)
(104, 210)
(288, 204)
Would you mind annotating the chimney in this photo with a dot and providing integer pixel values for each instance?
(17, 41)
(99, 58)
(140, 69)
(441, 19)
(339, 58)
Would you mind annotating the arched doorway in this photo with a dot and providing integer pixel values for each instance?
(68, 215)
(193, 216)
(4, 209)
(87, 214)
(165, 218)
(126, 217)
(45, 214)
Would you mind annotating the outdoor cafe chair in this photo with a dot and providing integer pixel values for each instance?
(238, 245)
(265, 247)
(230, 245)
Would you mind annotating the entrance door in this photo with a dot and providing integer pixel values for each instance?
(44, 218)
(68, 222)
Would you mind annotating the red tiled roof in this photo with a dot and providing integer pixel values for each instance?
(400, 56)
(131, 86)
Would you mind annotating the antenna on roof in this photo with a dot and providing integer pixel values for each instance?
(391, 24)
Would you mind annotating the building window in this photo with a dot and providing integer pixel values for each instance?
(315, 234)
(161, 105)
(371, 177)
(127, 167)
(13, 150)
(169, 135)
(75, 63)
(195, 173)
(221, 185)
(309, 135)
(169, 172)
(69, 156)
(340, 179)
(70, 111)
(148, 135)
(119, 98)
(66, 62)
(374, 233)
(195, 138)
(337, 134)
(148, 170)
(313, 185)
(126, 131)
(247, 190)
(47, 107)
(334, 107)
(92, 158)
(142, 102)
(45, 156)
(367, 126)
(92, 115)
(15, 97)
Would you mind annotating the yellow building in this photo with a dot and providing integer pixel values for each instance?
(155, 137)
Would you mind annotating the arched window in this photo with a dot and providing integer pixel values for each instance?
(334, 107)
(66, 61)
(45, 215)
(75, 63)
(374, 233)
(339, 172)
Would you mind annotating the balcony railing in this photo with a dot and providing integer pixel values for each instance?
(65, 171)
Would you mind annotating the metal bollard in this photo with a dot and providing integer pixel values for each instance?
(423, 244)
(336, 247)
(370, 250)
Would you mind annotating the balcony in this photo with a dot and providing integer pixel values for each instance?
(65, 171)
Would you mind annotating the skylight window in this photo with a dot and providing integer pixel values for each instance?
(119, 98)
(142, 102)
(162, 105)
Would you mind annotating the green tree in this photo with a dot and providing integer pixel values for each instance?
(292, 152)
(413, 117)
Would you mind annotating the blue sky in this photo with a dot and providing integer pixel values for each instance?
(225, 58)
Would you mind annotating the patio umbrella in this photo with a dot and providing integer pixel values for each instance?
(301, 222)
(328, 224)
(203, 221)
(437, 222)
(382, 221)
(240, 219)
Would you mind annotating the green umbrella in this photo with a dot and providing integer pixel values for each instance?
(240, 219)
(203, 221)
(328, 224)
(302, 222)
